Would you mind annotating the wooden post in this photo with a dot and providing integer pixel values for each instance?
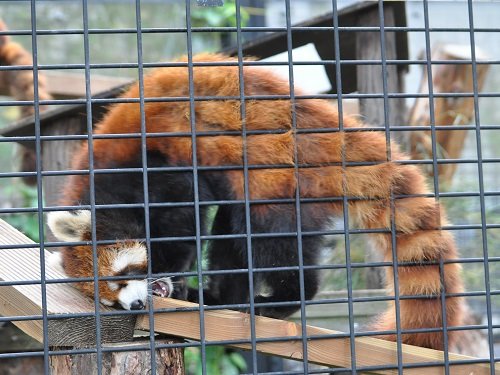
(370, 78)
(168, 361)
(447, 78)
(20, 265)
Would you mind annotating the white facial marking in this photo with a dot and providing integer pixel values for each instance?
(113, 286)
(126, 256)
(106, 302)
(69, 226)
(133, 291)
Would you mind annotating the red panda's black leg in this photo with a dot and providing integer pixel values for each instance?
(273, 286)
(226, 254)
(284, 286)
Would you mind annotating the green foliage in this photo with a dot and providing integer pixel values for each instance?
(193, 281)
(218, 361)
(336, 255)
(467, 211)
(25, 222)
(8, 114)
(223, 16)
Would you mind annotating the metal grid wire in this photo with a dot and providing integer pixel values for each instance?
(299, 234)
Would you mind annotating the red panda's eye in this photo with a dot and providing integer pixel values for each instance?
(132, 271)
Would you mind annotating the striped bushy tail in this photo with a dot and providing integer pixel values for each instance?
(420, 242)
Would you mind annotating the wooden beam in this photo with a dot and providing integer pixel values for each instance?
(72, 85)
(21, 265)
(329, 351)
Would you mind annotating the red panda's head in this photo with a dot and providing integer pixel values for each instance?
(123, 258)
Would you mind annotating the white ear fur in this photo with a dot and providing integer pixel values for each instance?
(69, 226)
(130, 255)
(55, 261)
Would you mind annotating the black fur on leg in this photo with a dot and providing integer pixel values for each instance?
(271, 286)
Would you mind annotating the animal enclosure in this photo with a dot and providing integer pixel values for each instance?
(280, 187)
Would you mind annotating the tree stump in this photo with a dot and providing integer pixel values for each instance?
(169, 361)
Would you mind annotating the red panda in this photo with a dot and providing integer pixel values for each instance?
(273, 148)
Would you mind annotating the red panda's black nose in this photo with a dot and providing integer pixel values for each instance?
(137, 305)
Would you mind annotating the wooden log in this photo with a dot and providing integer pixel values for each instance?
(57, 155)
(448, 78)
(328, 351)
(133, 362)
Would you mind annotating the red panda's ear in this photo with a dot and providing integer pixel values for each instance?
(69, 226)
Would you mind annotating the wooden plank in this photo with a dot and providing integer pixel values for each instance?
(233, 325)
(61, 85)
(20, 265)
(26, 127)
(71, 85)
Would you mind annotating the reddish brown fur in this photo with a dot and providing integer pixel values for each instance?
(78, 262)
(417, 220)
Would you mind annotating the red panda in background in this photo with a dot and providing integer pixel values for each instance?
(270, 150)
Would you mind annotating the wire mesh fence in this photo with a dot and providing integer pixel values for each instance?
(328, 164)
